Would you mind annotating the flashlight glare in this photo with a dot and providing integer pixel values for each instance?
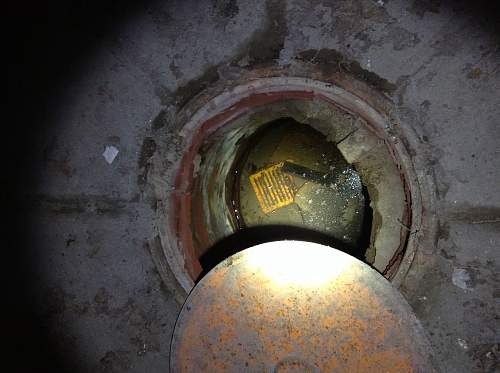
(296, 263)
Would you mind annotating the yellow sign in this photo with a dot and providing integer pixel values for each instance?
(273, 188)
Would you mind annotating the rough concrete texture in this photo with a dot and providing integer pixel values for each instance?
(98, 291)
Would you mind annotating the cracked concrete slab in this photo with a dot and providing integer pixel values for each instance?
(457, 297)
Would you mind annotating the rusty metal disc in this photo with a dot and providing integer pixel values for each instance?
(292, 306)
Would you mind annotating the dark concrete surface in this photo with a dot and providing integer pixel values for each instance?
(85, 294)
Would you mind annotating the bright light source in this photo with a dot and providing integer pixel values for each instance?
(297, 263)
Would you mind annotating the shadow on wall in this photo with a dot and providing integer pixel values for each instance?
(48, 45)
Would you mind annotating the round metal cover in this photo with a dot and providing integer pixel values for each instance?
(292, 306)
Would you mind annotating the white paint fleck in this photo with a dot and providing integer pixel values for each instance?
(463, 343)
(461, 278)
(110, 153)
(380, 2)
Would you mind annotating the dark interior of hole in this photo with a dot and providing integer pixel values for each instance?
(250, 235)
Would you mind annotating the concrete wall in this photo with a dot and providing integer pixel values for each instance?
(94, 283)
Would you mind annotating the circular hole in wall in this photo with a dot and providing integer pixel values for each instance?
(286, 181)
(288, 158)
